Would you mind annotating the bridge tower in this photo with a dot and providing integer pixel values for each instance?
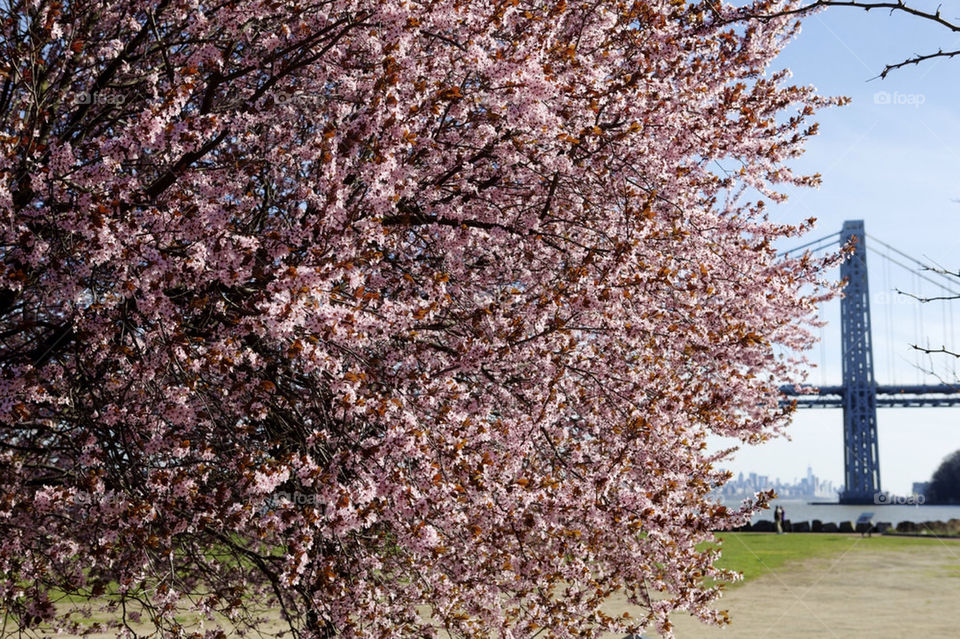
(861, 461)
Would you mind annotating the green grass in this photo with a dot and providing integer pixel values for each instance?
(755, 554)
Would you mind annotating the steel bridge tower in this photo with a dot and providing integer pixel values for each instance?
(861, 459)
(859, 395)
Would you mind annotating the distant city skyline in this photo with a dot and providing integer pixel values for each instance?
(807, 487)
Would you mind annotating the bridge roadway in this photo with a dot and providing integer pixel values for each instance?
(896, 396)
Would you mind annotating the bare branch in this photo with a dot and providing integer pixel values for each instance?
(943, 350)
(898, 5)
(937, 298)
(917, 60)
(942, 270)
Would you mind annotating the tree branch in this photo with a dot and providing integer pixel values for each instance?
(898, 5)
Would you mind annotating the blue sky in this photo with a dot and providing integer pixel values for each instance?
(891, 158)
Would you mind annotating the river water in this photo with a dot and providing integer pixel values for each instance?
(797, 510)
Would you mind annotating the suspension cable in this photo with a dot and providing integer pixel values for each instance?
(950, 277)
(835, 235)
(952, 342)
(943, 325)
(823, 349)
(887, 311)
(914, 271)
(916, 329)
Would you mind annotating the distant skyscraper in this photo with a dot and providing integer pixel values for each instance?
(809, 487)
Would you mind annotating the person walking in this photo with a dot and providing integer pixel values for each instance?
(778, 519)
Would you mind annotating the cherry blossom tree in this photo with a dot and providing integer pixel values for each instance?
(391, 318)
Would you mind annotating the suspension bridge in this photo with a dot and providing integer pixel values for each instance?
(859, 394)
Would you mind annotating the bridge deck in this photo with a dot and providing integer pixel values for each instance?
(887, 396)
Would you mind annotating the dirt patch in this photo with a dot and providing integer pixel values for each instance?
(863, 593)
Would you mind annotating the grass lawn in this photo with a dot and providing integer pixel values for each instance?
(755, 554)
